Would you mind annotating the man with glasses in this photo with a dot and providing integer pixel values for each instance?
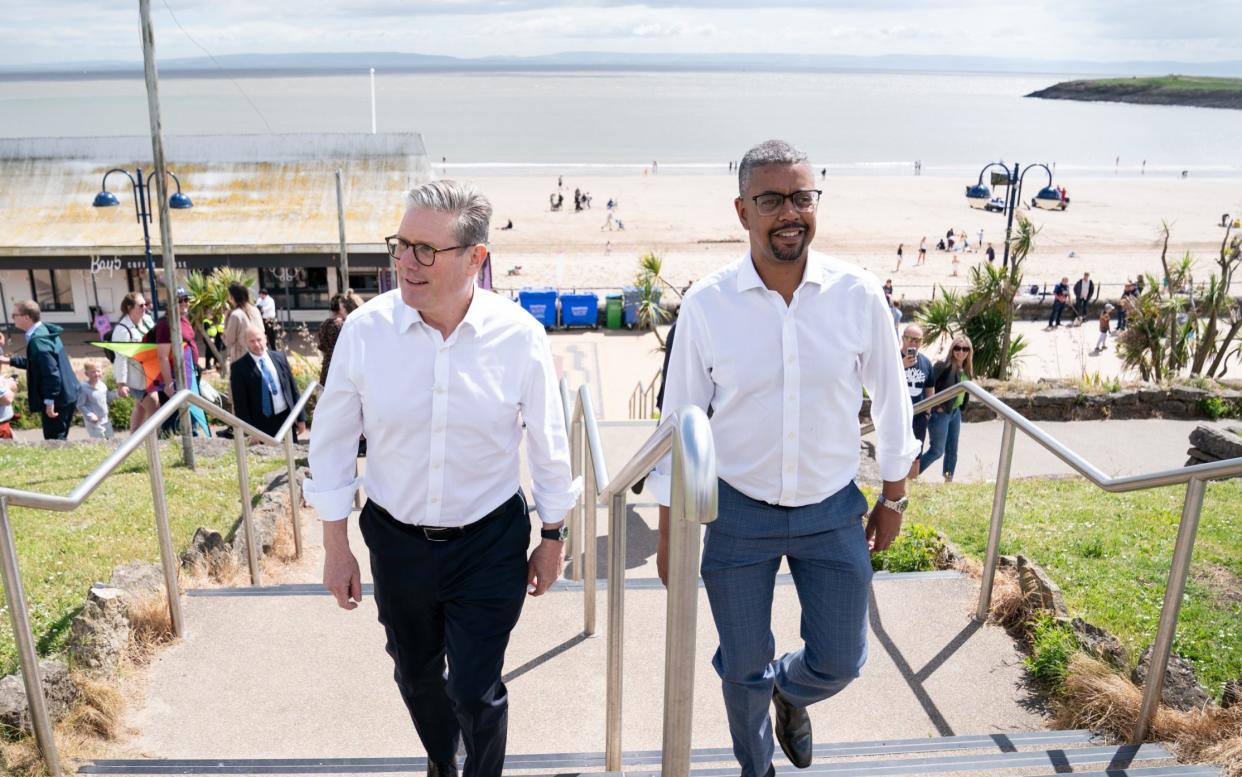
(780, 345)
(918, 382)
(441, 377)
(51, 385)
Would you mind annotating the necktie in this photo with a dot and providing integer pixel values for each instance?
(269, 385)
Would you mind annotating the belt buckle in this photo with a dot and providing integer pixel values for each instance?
(428, 533)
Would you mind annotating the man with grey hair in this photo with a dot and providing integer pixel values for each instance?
(780, 345)
(441, 377)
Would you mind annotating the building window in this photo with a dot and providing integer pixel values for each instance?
(364, 284)
(296, 288)
(51, 289)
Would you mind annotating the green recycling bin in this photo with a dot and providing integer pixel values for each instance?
(612, 311)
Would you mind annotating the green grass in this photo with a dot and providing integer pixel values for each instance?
(1175, 83)
(1052, 645)
(1110, 553)
(61, 554)
(914, 550)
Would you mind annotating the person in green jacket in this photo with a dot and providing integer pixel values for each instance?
(50, 381)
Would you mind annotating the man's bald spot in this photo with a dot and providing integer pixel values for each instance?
(912, 330)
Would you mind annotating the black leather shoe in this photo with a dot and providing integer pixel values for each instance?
(793, 730)
(441, 770)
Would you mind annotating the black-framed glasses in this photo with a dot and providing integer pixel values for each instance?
(804, 201)
(423, 253)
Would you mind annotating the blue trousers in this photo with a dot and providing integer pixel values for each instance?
(831, 568)
(943, 432)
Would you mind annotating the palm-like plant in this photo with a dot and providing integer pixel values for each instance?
(650, 286)
(984, 313)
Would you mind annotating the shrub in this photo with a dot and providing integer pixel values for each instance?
(1052, 646)
(914, 550)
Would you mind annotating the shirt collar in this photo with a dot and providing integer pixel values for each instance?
(405, 316)
(258, 358)
(748, 277)
(30, 332)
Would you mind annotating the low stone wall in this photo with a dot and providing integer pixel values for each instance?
(1069, 404)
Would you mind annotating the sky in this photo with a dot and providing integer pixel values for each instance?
(44, 32)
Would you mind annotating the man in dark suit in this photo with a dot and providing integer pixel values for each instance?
(262, 386)
(50, 382)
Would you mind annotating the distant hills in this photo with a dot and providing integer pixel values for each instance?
(1197, 91)
(321, 63)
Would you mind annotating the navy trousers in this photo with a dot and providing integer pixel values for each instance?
(453, 601)
(831, 567)
(58, 428)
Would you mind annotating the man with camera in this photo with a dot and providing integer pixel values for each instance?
(918, 382)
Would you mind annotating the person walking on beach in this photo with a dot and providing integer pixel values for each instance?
(991, 254)
(1106, 320)
(945, 427)
(922, 252)
(900, 248)
(1084, 292)
(790, 336)
(1060, 298)
(445, 380)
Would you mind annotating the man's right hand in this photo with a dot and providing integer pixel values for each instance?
(341, 574)
(908, 361)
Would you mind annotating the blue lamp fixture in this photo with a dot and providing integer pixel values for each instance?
(142, 206)
(980, 196)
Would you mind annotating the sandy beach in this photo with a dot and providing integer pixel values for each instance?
(1110, 228)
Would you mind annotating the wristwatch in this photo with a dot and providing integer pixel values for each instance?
(898, 506)
(560, 534)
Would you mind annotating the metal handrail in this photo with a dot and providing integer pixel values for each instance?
(1195, 478)
(147, 434)
(594, 470)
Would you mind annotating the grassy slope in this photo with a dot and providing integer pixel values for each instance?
(61, 554)
(1110, 553)
(1174, 83)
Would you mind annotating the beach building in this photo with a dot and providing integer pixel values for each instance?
(266, 204)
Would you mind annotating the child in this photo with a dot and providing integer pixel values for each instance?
(1105, 322)
(93, 402)
(8, 391)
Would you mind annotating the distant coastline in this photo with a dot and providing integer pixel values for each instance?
(1193, 91)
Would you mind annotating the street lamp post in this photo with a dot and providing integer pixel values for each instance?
(142, 206)
(980, 195)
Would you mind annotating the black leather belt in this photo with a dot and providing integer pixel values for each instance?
(445, 533)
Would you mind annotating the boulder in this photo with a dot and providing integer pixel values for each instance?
(1097, 642)
(99, 634)
(203, 546)
(1216, 441)
(1182, 690)
(1232, 694)
(138, 579)
(58, 689)
(1039, 589)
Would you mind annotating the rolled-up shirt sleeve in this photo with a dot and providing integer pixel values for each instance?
(883, 376)
(688, 381)
(555, 490)
(337, 428)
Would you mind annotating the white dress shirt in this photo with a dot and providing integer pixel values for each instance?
(279, 403)
(266, 306)
(443, 417)
(785, 382)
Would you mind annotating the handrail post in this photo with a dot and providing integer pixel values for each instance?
(27, 656)
(574, 517)
(616, 631)
(590, 496)
(168, 557)
(1183, 549)
(243, 482)
(295, 497)
(999, 495)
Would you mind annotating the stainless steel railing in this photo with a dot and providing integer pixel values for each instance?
(686, 433)
(1194, 477)
(643, 398)
(148, 435)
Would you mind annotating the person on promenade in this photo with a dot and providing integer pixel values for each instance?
(780, 345)
(262, 386)
(128, 373)
(1084, 292)
(1060, 297)
(93, 397)
(51, 386)
(161, 334)
(8, 393)
(1129, 296)
(945, 427)
(242, 316)
(1106, 320)
(900, 247)
(340, 306)
(444, 379)
(267, 309)
(918, 383)
(991, 253)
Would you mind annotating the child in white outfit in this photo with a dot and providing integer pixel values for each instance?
(93, 397)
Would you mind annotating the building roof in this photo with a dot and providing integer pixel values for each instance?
(251, 193)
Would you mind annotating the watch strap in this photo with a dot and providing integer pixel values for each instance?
(559, 534)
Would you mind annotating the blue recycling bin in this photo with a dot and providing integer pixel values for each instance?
(630, 295)
(580, 310)
(540, 302)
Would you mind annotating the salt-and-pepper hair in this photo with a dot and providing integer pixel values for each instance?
(769, 152)
(474, 212)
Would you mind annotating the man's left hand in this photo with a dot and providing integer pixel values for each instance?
(883, 526)
(545, 566)
(301, 426)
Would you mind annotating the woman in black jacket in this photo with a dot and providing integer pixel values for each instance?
(945, 426)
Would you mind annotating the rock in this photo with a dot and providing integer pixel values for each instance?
(1232, 694)
(1190, 395)
(1173, 408)
(1219, 442)
(138, 578)
(58, 689)
(1098, 642)
(1182, 690)
(204, 545)
(1125, 397)
(99, 634)
(1199, 457)
(1039, 589)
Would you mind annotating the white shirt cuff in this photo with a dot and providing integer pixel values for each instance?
(659, 485)
(333, 505)
(553, 507)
